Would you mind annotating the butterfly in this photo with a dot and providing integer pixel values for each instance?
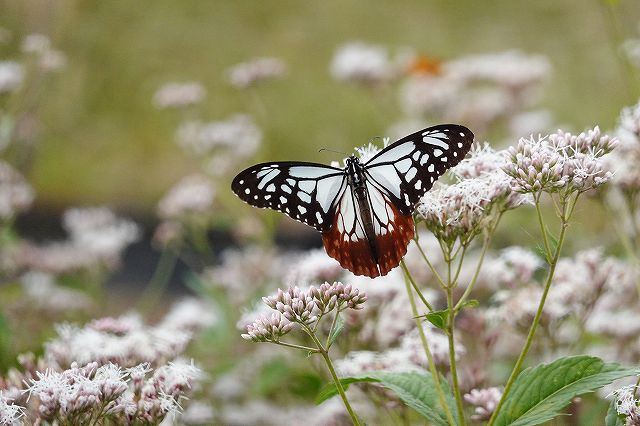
(364, 210)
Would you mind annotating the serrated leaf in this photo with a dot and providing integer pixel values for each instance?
(540, 393)
(438, 318)
(612, 418)
(337, 330)
(416, 390)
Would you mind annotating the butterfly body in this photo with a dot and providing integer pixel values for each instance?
(364, 211)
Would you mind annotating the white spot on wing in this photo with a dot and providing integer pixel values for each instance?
(310, 172)
(411, 173)
(307, 186)
(393, 154)
(271, 188)
(435, 141)
(437, 152)
(403, 165)
(431, 168)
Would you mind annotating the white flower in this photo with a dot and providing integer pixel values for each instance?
(512, 68)
(190, 314)
(361, 62)
(99, 230)
(485, 401)
(11, 76)
(45, 293)
(10, 413)
(15, 194)
(249, 73)
(238, 134)
(193, 195)
(36, 43)
(179, 95)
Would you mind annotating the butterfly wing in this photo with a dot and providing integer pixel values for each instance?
(306, 192)
(405, 170)
(346, 240)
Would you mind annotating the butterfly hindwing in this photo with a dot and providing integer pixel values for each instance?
(407, 169)
(307, 192)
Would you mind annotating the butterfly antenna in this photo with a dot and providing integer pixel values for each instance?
(333, 150)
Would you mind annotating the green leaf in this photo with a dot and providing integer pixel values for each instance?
(473, 303)
(416, 390)
(613, 418)
(337, 329)
(540, 393)
(438, 318)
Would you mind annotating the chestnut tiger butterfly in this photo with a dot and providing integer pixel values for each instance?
(364, 211)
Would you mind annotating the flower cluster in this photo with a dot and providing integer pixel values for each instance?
(362, 63)
(477, 90)
(191, 197)
(48, 58)
(110, 393)
(560, 162)
(97, 238)
(10, 413)
(485, 401)
(127, 341)
(268, 328)
(628, 404)
(463, 209)
(15, 194)
(304, 307)
(179, 95)
(220, 143)
(249, 73)
(11, 76)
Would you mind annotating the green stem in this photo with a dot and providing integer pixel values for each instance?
(293, 345)
(483, 252)
(433, 270)
(415, 287)
(543, 228)
(159, 281)
(334, 375)
(427, 351)
(566, 214)
(452, 357)
(333, 324)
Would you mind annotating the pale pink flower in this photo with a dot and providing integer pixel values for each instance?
(192, 197)
(362, 63)
(179, 95)
(15, 193)
(485, 401)
(257, 70)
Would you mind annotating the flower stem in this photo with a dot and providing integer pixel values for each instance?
(415, 287)
(325, 354)
(432, 365)
(452, 356)
(553, 260)
(433, 270)
(293, 345)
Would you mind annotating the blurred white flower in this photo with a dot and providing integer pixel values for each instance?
(99, 231)
(238, 134)
(631, 48)
(530, 123)
(190, 314)
(53, 60)
(627, 404)
(248, 73)
(179, 95)
(11, 76)
(430, 95)
(125, 340)
(43, 291)
(362, 63)
(36, 43)
(485, 401)
(15, 193)
(512, 69)
(198, 413)
(192, 196)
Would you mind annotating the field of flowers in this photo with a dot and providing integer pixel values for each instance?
(517, 303)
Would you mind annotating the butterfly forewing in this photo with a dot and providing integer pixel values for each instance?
(407, 169)
(307, 192)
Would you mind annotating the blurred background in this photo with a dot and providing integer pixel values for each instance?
(123, 122)
(98, 138)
